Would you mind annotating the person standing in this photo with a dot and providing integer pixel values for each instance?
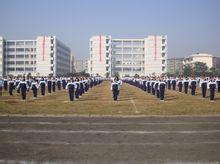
(212, 88)
(186, 85)
(11, 86)
(180, 84)
(173, 82)
(71, 87)
(23, 87)
(34, 88)
(162, 86)
(115, 88)
(42, 85)
(54, 84)
(203, 85)
(5, 84)
(193, 84)
(49, 85)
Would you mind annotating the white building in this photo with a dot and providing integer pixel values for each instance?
(81, 65)
(199, 57)
(128, 56)
(43, 56)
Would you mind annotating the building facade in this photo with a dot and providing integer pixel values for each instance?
(43, 56)
(175, 65)
(81, 65)
(199, 57)
(216, 62)
(128, 57)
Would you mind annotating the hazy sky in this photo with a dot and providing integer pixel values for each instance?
(191, 25)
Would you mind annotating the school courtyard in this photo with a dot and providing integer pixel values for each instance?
(137, 128)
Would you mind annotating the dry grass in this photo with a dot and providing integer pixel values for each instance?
(132, 101)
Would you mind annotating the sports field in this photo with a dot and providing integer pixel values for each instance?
(98, 101)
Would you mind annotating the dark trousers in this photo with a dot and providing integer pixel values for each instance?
(49, 89)
(180, 87)
(174, 86)
(59, 86)
(204, 88)
(193, 90)
(169, 85)
(115, 94)
(23, 94)
(212, 92)
(35, 92)
(158, 93)
(71, 95)
(162, 93)
(10, 91)
(186, 89)
(43, 91)
(77, 93)
(54, 88)
(148, 89)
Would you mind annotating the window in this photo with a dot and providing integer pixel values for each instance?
(11, 69)
(28, 69)
(20, 49)
(26, 62)
(19, 56)
(11, 62)
(51, 54)
(11, 56)
(51, 62)
(11, 50)
(20, 43)
(51, 68)
(19, 62)
(10, 43)
(29, 42)
(19, 69)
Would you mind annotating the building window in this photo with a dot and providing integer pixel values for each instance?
(51, 68)
(51, 54)
(19, 56)
(20, 43)
(20, 49)
(19, 69)
(10, 43)
(51, 62)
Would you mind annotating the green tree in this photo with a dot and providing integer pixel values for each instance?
(200, 69)
(187, 70)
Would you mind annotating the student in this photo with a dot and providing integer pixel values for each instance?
(77, 88)
(23, 87)
(5, 84)
(212, 87)
(186, 85)
(203, 85)
(169, 83)
(17, 81)
(173, 82)
(156, 88)
(115, 88)
(162, 86)
(71, 87)
(218, 83)
(148, 86)
(152, 87)
(49, 85)
(59, 84)
(193, 86)
(54, 85)
(42, 85)
(34, 88)
(180, 84)
(64, 82)
(11, 86)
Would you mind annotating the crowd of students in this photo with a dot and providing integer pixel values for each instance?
(76, 86)
(157, 85)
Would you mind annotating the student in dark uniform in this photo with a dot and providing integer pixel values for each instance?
(5, 84)
(49, 85)
(218, 83)
(59, 84)
(180, 84)
(17, 81)
(71, 87)
(23, 87)
(54, 85)
(169, 83)
(156, 88)
(203, 85)
(162, 86)
(115, 88)
(77, 88)
(64, 83)
(34, 88)
(11, 86)
(152, 87)
(212, 87)
(193, 84)
(148, 86)
(42, 85)
(173, 82)
(186, 85)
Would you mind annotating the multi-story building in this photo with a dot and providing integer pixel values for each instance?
(43, 56)
(199, 57)
(128, 57)
(216, 62)
(1, 56)
(81, 65)
(175, 65)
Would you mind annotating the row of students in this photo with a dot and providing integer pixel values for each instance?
(154, 86)
(23, 86)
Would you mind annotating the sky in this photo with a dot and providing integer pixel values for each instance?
(191, 25)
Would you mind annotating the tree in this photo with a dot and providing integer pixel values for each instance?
(200, 69)
(187, 70)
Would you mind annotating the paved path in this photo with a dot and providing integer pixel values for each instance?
(107, 139)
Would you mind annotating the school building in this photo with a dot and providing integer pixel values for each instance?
(43, 56)
(128, 57)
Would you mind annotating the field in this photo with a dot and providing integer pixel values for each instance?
(98, 101)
